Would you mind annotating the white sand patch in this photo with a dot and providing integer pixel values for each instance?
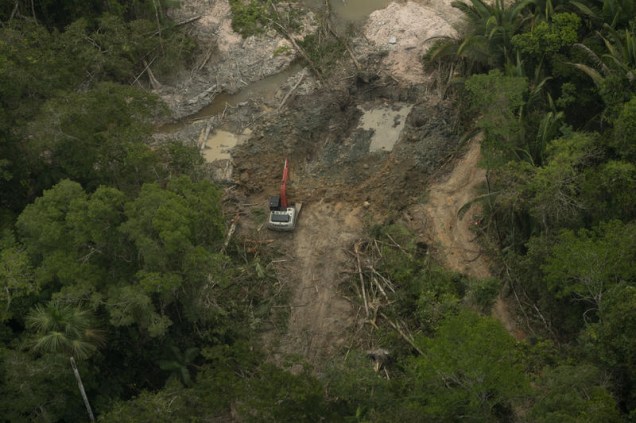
(405, 30)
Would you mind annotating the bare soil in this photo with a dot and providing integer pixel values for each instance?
(453, 234)
(320, 318)
(343, 185)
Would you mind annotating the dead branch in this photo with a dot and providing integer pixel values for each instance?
(335, 34)
(207, 57)
(153, 81)
(154, 3)
(299, 49)
(13, 12)
(145, 69)
(398, 245)
(206, 134)
(399, 330)
(262, 241)
(380, 288)
(230, 232)
(388, 283)
(178, 24)
(282, 103)
(364, 295)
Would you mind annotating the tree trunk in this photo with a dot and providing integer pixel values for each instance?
(82, 391)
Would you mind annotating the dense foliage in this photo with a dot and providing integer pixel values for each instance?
(551, 86)
(111, 247)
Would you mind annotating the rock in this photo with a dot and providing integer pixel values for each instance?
(392, 40)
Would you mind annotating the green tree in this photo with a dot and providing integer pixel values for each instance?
(548, 38)
(98, 137)
(609, 191)
(611, 67)
(499, 100)
(555, 187)
(624, 135)
(275, 395)
(485, 41)
(179, 364)
(469, 371)
(17, 279)
(587, 263)
(171, 404)
(614, 341)
(354, 389)
(38, 388)
(573, 394)
(65, 329)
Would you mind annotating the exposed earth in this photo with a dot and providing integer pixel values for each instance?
(372, 144)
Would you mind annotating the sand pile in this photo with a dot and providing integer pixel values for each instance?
(405, 30)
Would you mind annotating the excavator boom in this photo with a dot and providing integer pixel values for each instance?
(283, 186)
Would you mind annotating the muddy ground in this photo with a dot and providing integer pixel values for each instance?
(366, 146)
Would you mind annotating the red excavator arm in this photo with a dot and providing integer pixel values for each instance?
(283, 187)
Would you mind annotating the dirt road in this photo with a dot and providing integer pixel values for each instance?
(320, 318)
(453, 235)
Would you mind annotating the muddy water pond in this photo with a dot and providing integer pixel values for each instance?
(218, 145)
(356, 11)
(218, 148)
(387, 123)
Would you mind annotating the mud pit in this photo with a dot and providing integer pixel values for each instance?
(362, 147)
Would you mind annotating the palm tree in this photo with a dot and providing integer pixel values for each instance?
(616, 65)
(620, 58)
(65, 329)
(485, 40)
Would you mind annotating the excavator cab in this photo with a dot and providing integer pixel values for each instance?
(282, 216)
